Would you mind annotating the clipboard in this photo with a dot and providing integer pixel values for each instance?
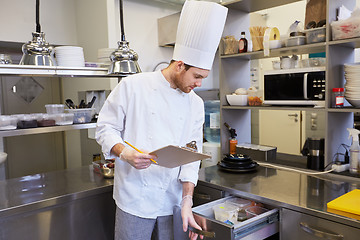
(173, 156)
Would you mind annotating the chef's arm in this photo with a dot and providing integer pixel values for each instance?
(134, 158)
(117, 149)
(186, 211)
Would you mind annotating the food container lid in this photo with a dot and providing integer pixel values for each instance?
(241, 203)
(338, 89)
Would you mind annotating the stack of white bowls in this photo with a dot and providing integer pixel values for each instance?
(70, 56)
(352, 85)
(104, 55)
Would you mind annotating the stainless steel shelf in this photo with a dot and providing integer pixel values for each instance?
(39, 130)
(351, 42)
(303, 49)
(29, 70)
(268, 107)
(255, 5)
(344, 109)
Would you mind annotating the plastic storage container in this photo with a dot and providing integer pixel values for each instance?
(81, 115)
(54, 108)
(63, 118)
(347, 28)
(317, 62)
(315, 35)
(254, 98)
(212, 121)
(7, 122)
(239, 202)
(226, 212)
(256, 210)
(295, 41)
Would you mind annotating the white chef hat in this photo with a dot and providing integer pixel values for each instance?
(199, 31)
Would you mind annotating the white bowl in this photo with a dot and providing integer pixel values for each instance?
(3, 157)
(354, 102)
(237, 100)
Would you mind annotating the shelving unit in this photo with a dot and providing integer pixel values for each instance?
(39, 130)
(235, 73)
(46, 71)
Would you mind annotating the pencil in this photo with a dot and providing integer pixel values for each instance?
(139, 151)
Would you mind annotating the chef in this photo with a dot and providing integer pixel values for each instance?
(153, 110)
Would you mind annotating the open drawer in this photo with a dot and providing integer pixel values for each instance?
(257, 227)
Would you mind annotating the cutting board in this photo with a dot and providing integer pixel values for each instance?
(347, 205)
(174, 156)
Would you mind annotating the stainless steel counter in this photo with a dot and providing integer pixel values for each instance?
(68, 204)
(287, 189)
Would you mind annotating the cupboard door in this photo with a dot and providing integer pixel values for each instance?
(281, 128)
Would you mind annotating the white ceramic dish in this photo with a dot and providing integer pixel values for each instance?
(237, 100)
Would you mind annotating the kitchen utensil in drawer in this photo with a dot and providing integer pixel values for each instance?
(256, 227)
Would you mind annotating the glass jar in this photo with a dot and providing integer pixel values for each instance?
(5, 59)
(338, 97)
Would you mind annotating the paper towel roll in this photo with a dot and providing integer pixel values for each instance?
(271, 34)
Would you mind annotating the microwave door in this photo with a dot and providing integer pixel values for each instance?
(305, 83)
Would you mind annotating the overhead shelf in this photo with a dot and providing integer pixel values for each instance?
(47, 71)
(268, 107)
(303, 49)
(39, 130)
(255, 5)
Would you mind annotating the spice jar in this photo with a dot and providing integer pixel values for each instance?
(338, 97)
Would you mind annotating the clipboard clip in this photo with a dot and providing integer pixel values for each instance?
(191, 146)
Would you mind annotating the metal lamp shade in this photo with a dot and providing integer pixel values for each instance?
(124, 60)
(38, 51)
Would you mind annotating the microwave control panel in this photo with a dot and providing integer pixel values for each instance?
(317, 88)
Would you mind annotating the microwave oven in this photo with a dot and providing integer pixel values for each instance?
(305, 86)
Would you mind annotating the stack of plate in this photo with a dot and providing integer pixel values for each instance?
(237, 163)
(352, 86)
(70, 56)
(104, 55)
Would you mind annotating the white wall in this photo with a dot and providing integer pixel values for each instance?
(57, 18)
(103, 30)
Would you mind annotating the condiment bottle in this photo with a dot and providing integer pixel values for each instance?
(233, 141)
(338, 97)
(243, 43)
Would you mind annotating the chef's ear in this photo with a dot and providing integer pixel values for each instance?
(180, 65)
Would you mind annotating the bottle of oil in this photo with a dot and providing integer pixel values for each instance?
(243, 43)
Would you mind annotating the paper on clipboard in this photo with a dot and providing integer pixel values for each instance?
(173, 156)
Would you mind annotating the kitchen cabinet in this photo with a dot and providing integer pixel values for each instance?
(296, 225)
(235, 73)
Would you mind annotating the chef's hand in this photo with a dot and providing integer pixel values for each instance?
(188, 217)
(136, 159)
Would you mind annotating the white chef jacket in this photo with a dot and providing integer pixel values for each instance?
(145, 111)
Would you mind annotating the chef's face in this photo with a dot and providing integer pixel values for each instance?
(189, 78)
